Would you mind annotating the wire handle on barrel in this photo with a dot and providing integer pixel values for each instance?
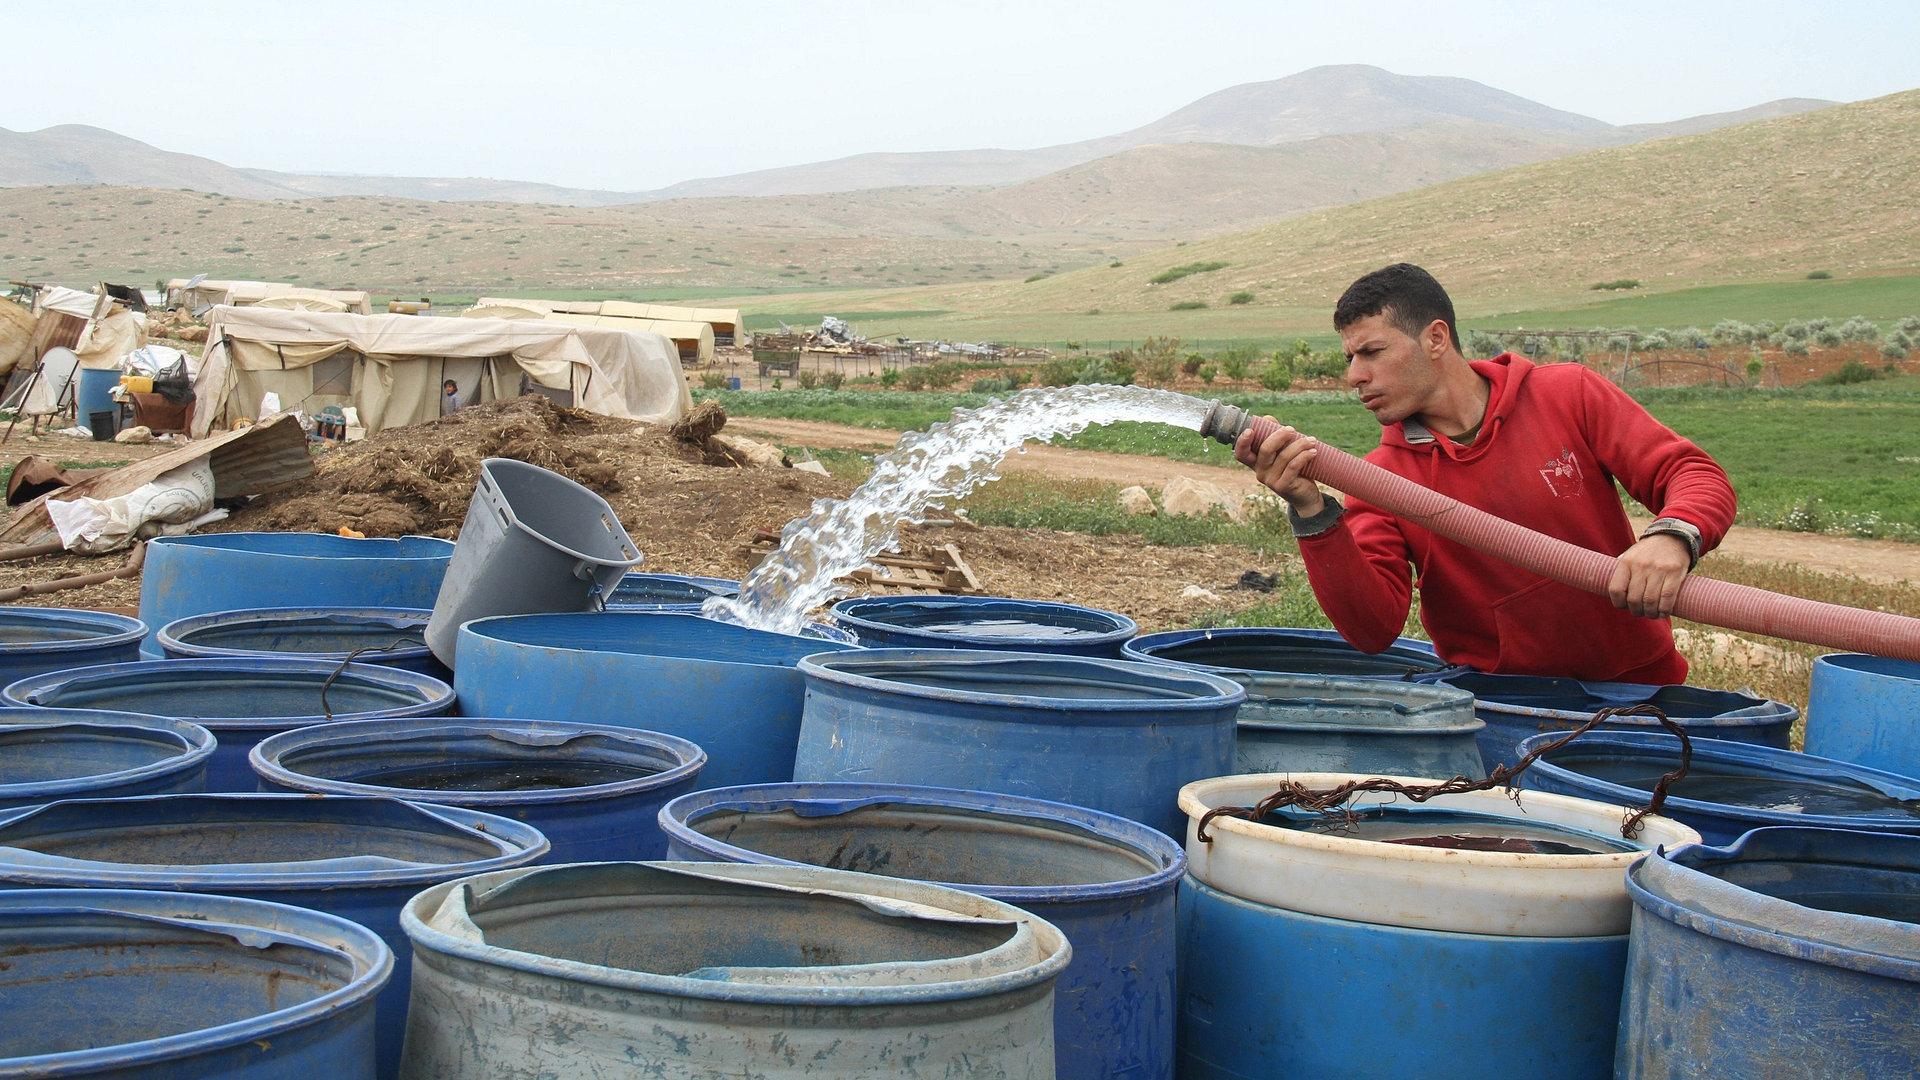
(1334, 800)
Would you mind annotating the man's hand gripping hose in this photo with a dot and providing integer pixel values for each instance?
(1702, 600)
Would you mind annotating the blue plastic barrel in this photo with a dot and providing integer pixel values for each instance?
(1109, 884)
(1730, 788)
(1791, 953)
(52, 754)
(241, 700)
(667, 592)
(390, 637)
(592, 789)
(1272, 994)
(192, 575)
(95, 395)
(1863, 709)
(1289, 651)
(164, 985)
(358, 858)
(984, 622)
(36, 639)
(1104, 734)
(1518, 707)
(1316, 723)
(732, 691)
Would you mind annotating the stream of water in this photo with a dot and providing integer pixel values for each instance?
(926, 470)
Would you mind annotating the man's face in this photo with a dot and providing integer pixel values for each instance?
(1391, 371)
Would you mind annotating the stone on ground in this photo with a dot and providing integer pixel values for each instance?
(1197, 498)
(1135, 500)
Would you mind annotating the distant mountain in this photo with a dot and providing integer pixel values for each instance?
(1442, 115)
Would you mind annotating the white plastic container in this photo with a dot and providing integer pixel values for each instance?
(1427, 888)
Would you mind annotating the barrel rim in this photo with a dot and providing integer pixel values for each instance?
(1765, 711)
(429, 940)
(170, 637)
(265, 756)
(818, 668)
(677, 817)
(1145, 647)
(115, 630)
(481, 630)
(397, 680)
(845, 612)
(1440, 698)
(1192, 804)
(1721, 750)
(1778, 943)
(527, 844)
(236, 542)
(371, 959)
(1865, 665)
(199, 741)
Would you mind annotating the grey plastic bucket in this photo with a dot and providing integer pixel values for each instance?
(713, 969)
(357, 858)
(241, 699)
(52, 754)
(1312, 723)
(167, 985)
(390, 637)
(533, 542)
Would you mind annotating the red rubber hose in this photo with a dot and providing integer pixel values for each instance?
(1702, 600)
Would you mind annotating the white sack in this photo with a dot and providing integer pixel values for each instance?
(97, 526)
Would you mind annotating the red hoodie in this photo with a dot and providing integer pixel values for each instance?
(1553, 441)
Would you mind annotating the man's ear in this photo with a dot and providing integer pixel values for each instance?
(1436, 339)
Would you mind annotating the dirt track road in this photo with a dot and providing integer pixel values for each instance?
(1884, 561)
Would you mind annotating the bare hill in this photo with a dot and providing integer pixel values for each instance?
(1820, 190)
(1698, 125)
(439, 188)
(78, 154)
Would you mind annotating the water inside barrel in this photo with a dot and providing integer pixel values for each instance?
(1464, 830)
(1005, 628)
(1733, 786)
(505, 775)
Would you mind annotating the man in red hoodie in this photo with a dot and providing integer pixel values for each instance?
(1541, 446)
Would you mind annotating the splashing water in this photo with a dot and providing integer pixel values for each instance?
(943, 462)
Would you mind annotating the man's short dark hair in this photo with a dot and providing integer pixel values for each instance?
(1409, 297)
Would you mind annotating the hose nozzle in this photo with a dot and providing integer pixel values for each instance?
(1224, 423)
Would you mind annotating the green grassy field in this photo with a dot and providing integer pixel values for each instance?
(1882, 299)
(1842, 460)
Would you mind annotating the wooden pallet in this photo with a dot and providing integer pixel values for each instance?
(933, 571)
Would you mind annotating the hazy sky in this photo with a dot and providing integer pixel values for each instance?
(639, 95)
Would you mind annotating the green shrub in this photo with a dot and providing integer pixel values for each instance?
(1207, 372)
(1481, 344)
(1239, 298)
(1731, 332)
(1188, 305)
(1892, 349)
(809, 380)
(992, 386)
(1615, 285)
(1853, 371)
(888, 377)
(1115, 264)
(1828, 337)
(1755, 368)
(1237, 361)
(943, 374)
(1175, 273)
(713, 380)
(1796, 330)
(1190, 364)
(1910, 326)
(1795, 347)
(1275, 376)
(1820, 275)
(832, 380)
(914, 379)
(1859, 328)
(1035, 278)
(1158, 358)
(1328, 365)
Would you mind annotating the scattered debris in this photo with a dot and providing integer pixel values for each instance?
(1255, 581)
(1195, 592)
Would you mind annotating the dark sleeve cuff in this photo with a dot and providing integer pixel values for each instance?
(1327, 518)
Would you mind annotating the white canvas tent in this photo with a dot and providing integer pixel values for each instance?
(246, 293)
(695, 339)
(725, 322)
(390, 367)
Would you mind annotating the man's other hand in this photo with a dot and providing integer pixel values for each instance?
(1647, 579)
(1277, 463)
